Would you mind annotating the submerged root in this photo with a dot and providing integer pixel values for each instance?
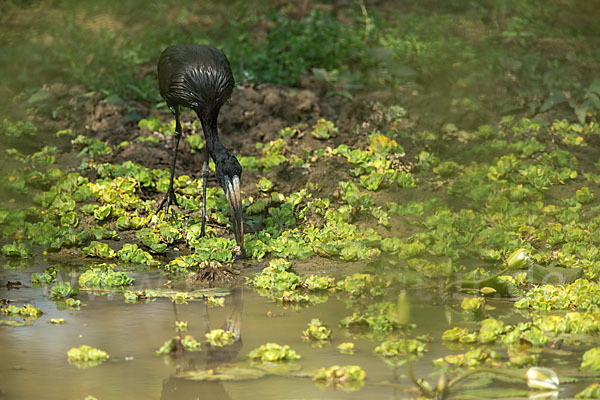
(212, 272)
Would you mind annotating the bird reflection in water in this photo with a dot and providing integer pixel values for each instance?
(209, 358)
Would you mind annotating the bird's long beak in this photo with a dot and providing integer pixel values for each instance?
(234, 198)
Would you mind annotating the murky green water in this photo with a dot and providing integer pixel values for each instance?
(34, 358)
(34, 361)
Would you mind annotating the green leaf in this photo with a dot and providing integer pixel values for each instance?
(39, 95)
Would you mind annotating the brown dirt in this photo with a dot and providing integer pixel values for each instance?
(255, 113)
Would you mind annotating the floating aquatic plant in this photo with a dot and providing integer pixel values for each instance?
(86, 356)
(273, 352)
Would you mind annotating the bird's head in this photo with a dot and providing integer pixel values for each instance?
(228, 171)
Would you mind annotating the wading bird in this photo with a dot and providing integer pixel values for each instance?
(199, 77)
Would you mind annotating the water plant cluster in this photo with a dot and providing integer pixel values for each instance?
(503, 222)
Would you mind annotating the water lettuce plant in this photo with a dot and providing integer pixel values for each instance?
(273, 352)
(46, 278)
(63, 290)
(399, 348)
(347, 378)
(316, 331)
(71, 303)
(346, 348)
(16, 249)
(590, 392)
(324, 129)
(187, 343)
(212, 301)
(220, 337)
(27, 312)
(145, 295)
(104, 276)
(86, 356)
(591, 359)
(582, 294)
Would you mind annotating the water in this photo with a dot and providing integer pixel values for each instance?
(34, 358)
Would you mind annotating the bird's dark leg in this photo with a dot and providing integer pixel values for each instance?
(170, 198)
(204, 179)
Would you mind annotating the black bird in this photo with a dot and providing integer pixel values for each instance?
(199, 77)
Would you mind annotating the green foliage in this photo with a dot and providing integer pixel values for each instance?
(145, 295)
(590, 392)
(289, 48)
(591, 359)
(72, 303)
(132, 254)
(472, 359)
(316, 282)
(492, 330)
(378, 317)
(398, 348)
(324, 129)
(104, 277)
(273, 352)
(472, 304)
(156, 125)
(571, 322)
(276, 277)
(505, 194)
(16, 249)
(212, 301)
(346, 348)
(217, 249)
(581, 293)
(190, 344)
(91, 147)
(348, 378)
(181, 297)
(584, 196)
(316, 330)
(86, 356)
(363, 285)
(152, 239)
(17, 129)
(97, 249)
(220, 338)
(374, 165)
(46, 278)
(187, 343)
(27, 312)
(63, 290)
(264, 185)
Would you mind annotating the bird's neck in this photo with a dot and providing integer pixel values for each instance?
(211, 135)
